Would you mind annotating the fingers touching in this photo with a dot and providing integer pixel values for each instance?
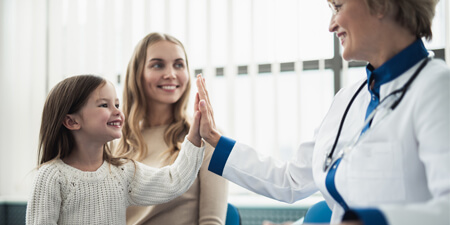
(194, 132)
(204, 95)
(197, 100)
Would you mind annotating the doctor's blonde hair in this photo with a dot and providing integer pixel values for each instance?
(415, 15)
(135, 105)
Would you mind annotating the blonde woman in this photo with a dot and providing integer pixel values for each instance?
(155, 97)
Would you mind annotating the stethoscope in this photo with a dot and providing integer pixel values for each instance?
(387, 105)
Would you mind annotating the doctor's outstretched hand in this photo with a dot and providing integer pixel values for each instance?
(208, 130)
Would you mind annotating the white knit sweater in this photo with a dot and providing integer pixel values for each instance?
(65, 195)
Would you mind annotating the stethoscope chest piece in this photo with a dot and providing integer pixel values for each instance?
(327, 163)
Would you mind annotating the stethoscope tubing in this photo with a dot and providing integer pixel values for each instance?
(329, 156)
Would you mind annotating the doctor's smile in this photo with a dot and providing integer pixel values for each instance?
(341, 37)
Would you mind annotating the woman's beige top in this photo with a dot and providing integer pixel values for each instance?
(204, 203)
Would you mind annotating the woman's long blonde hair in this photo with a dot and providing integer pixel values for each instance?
(135, 105)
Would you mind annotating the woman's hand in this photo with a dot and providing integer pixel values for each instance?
(208, 130)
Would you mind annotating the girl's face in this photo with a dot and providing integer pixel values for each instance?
(355, 27)
(165, 76)
(101, 119)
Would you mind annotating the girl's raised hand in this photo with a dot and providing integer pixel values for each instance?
(194, 132)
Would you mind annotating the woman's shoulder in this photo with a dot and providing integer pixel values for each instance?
(435, 75)
(343, 96)
(439, 68)
(352, 88)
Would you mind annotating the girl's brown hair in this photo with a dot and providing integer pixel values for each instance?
(67, 97)
(135, 104)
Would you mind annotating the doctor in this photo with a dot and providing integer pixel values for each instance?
(382, 153)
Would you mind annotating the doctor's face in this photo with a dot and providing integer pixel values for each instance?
(355, 27)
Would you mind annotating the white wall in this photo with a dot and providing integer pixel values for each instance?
(98, 36)
(22, 90)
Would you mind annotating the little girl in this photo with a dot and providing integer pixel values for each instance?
(78, 181)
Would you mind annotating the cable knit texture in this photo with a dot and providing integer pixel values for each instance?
(65, 195)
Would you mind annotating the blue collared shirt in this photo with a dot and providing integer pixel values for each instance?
(392, 69)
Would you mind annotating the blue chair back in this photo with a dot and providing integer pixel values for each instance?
(318, 213)
(233, 217)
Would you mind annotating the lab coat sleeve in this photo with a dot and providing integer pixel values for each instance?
(432, 128)
(283, 181)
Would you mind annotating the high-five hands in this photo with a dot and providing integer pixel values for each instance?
(194, 132)
(207, 125)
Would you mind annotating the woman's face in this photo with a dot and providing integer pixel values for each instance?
(165, 76)
(356, 29)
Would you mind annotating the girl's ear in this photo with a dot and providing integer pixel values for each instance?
(381, 14)
(71, 123)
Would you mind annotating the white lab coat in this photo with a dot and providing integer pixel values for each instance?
(402, 168)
